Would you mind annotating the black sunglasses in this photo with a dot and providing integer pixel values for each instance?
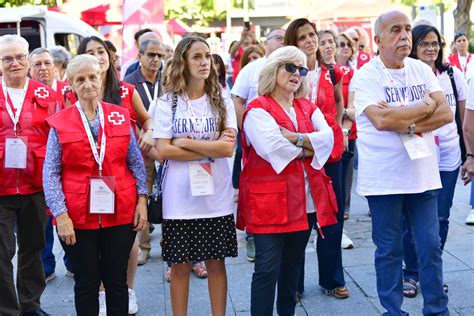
(153, 55)
(291, 68)
(343, 45)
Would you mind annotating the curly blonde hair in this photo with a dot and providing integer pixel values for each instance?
(178, 75)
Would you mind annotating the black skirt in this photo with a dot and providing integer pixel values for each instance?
(199, 239)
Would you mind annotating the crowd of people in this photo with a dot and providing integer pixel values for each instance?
(276, 127)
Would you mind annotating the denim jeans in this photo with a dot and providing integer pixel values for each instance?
(47, 256)
(445, 201)
(420, 211)
(278, 258)
(347, 174)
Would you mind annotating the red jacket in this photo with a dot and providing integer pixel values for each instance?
(454, 61)
(39, 103)
(327, 104)
(61, 90)
(346, 80)
(276, 203)
(78, 165)
(362, 59)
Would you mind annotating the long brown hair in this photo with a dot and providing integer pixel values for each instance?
(179, 74)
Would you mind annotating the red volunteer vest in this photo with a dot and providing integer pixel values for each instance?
(454, 61)
(39, 103)
(276, 203)
(327, 104)
(78, 165)
(362, 59)
(62, 89)
(346, 80)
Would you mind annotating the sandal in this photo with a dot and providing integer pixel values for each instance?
(339, 292)
(168, 275)
(445, 288)
(199, 270)
(409, 288)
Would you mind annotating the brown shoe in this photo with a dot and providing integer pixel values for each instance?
(339, 292)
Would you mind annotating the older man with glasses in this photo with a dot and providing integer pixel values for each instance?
(24, 106)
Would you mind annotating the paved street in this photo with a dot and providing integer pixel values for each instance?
(153, 291)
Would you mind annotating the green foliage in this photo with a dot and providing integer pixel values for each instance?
(198, 12)
(17, 3)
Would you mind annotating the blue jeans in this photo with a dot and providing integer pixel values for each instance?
(278, 258)
(445, 201)
(47, 256)
(420, 211)
(471, 200)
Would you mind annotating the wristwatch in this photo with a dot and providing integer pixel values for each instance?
(347, 131)
(300, 141)
(411, 129)
(345, 114)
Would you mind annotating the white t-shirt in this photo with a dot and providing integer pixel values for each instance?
(16, 95)
(470, 96)
(178, 203)
(384, 164)
(470, 70)
(246, 84)
(449, 150)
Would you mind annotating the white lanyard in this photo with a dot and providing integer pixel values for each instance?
(148, 94)
(98, 158)
(194, 118)
(314, 89)
(464, 65)
(54, 86)
(15, 118)
(404, 98)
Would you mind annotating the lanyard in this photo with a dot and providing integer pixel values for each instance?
(464, 65)
(193, 117)
(54, 86)
(405, 99)
(314, 88)
(148, 94)
(9, 104)
(99, 158)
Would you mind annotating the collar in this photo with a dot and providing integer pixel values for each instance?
(140, 78)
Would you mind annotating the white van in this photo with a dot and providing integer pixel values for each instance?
(43, 28)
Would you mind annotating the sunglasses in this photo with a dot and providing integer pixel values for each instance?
(344, 45)
(153, 55)
(291, 68)
(355, 39)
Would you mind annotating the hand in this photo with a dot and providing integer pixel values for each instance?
(179, 142)
(429, 102)
(146, 140)
(66, 229)
(382, 105)
(346, 142)
(292, 137)
(467, 170)
(228, 136)
(140, 217)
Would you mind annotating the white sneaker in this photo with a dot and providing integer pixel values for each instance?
(346, 242)
(470, 217)
(132, 302)
(102, 306)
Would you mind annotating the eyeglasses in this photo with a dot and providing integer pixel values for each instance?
(291, 68)
(8, 60)
(425, 44)
(343, 45)
(39, 64)
(279, 38)
(153, 55)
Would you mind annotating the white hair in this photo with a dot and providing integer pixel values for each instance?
(9, 39)
(268, 76)
(79, 61)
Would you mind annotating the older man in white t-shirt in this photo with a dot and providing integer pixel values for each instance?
(398, 103)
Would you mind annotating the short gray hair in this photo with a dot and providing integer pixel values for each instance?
(378, 25)
(145, 44)
(9, 39)
(40, 50)
(60, 55)
(77, 62)
(268, 75)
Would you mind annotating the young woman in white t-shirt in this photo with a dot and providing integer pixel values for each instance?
(426, 47)
(195, 132)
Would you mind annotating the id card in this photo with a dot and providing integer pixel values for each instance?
(416, 146)
(200, 178)
(102, 195)
(15, 152)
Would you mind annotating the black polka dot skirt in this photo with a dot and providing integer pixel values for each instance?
(199, 239)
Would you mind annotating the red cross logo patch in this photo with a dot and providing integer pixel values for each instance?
(42, 92)
(327, 76)
(363, 57)
(64, 90)
(116, 118)
(345, 69)
(123, 92)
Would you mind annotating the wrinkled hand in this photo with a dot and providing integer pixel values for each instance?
(66, 229)
(146, 141)
(228, 136)
(140, 217)
(467, 170)
(429, 101)
(292, 137)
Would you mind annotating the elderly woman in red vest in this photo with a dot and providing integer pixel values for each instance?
(94, 180)
(286, 142)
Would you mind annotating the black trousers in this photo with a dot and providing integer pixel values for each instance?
(27, 214)
(101, 255)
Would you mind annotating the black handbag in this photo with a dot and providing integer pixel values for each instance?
(155, 200)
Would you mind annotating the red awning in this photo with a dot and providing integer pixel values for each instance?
(97, 16)
(177, 27)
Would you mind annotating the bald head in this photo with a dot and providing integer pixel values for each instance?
(383, 18)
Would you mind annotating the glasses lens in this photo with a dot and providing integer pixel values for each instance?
(355, 39)
(7, 60)
(342, 44)
(291, 68)
(303, 71)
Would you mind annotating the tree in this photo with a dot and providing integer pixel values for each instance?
(17, 3)
(198, 12)
(462, 19)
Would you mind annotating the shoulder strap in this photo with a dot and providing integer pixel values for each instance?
(332, 72)
(174, 104)
(457, 114)
(453, 84)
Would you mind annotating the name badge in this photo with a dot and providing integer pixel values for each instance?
(102, 195)
(416, 146)
(200, 178)
(15, 152)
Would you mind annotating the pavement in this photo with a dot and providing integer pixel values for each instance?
(154, 296)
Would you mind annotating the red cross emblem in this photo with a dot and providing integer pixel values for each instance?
(64, 90)
(327, 76)
(42, 92)
(345, 69)
(123, 92)
(116, 118)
